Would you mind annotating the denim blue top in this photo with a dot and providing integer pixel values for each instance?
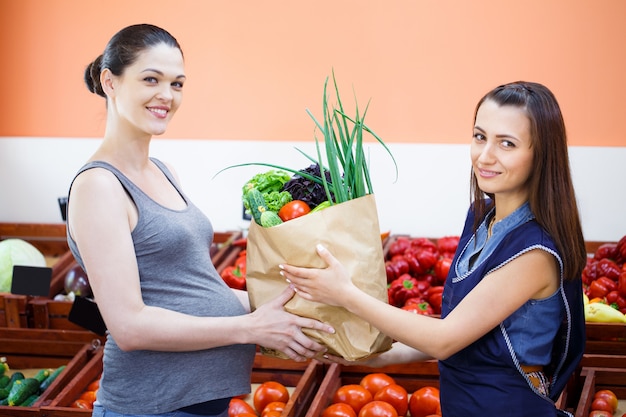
(531, 329)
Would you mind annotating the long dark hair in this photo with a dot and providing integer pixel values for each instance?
(122, 51)
(551, 192)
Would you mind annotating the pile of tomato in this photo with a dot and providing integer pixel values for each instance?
(86, 399)
(378, 395)
(416, 271)
(269, 399)
(604, 404)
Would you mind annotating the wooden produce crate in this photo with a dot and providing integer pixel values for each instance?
(27, 351)
(13, 311)
(601, 378)
(410, 376)
(301, 379)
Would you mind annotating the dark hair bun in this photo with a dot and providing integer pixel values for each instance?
(92, 77)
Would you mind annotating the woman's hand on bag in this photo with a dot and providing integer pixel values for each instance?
(331, 285)
(277, 329)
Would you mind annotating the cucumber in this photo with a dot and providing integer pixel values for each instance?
(42, 375)
(50, 379)
(4, 367)
(270, 218)
(4, 380)
(29, 401)
(321, 206)
(257, 204)
(22, 389)
(4, 393)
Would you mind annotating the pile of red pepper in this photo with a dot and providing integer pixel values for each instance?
(234, 275)
(416, 270)
(604, 276)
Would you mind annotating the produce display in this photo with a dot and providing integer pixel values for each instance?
(16, 389)
(604, 282)
(378, 395)
(416, 271)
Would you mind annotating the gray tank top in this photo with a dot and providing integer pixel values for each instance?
(176, 273)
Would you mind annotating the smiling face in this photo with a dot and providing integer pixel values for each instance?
(146, 96)
(501, 152)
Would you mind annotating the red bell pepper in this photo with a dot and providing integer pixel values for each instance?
(415, 267)
(606, 250)
(422, 243)
(434, 297)
(621, 284)
(608, 283)
(448, 244)
(403, 288)
(396, 267)
(419, 308)
(442, 267)
(233, 277)
(608, 268)
(615, 299)
(620, 249)
(597, 290)
(398, 246)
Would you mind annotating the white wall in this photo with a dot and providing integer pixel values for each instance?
(429, 198)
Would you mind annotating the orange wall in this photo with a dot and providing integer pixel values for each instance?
(254, 66)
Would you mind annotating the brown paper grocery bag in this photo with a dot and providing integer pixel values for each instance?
(351, 232)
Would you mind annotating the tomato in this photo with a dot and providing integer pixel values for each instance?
(375, 381)
(89, 396)
(272, 413)
(293, 209)
(339, 410)
(273, 407)
(268, 392)
(600, 413)
(94, 385)
(609, 396)
(82, 404)
(378, 409)
(395, 395)
(600, 404)
(354, 395)
(424, 401)
(238, 406)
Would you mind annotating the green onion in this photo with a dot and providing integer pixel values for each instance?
(345, 158)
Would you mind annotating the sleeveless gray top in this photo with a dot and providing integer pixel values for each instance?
(176, 273)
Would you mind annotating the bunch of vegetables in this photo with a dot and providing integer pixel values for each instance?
(274, 197)
(604, 283)
(379, 395)
(416, 271)
(21, 391)
(341, 176)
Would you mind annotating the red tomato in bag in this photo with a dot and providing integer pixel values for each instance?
(293, 209)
